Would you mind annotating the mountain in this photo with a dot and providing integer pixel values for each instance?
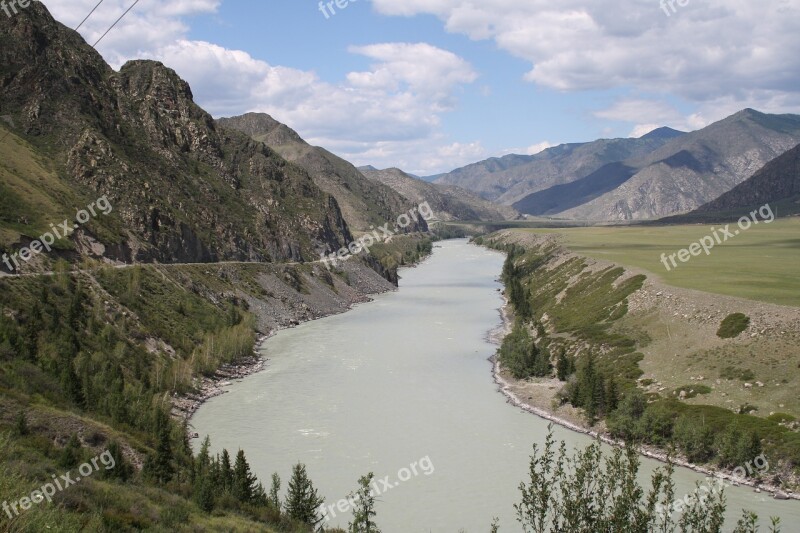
(183, 189)
(560, 198)
(363, 202)
(447, 201)
(694, 168)
(511, 178)
(777, 184)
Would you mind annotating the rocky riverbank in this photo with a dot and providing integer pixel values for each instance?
(324, 293)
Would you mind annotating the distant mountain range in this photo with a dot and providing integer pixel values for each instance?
(366, 195)
(511, 178)
(662, 173)
(447, 201)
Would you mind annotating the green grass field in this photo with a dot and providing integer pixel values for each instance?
(758, 264)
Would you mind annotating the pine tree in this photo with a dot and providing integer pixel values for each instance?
(71, 453)
(122, 469)
(244, 482)
(302, 501)
(160, 466)
(611, 395)
(204, 493)
(226, 471)
(562, 366)
(364, 507)
(21, 424)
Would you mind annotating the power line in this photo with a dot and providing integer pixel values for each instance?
(115, 23)
(89, 15)
(8, 132)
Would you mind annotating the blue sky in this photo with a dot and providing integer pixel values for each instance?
(430, 85)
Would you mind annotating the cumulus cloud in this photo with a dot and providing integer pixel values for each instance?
(721, 55)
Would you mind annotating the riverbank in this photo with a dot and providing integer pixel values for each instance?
(538, 396)
(325, 295)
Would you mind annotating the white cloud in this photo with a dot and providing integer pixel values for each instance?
(643, 129)
(720, 55)
(387, 115)
(538, 147)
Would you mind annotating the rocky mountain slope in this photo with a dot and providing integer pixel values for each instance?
(695, 168)
(511, 178)
(777, 183)
(448, 202)
(183, 189)
(363, 202)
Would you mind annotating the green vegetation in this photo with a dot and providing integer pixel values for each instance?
(569, 308)
(574, 312)
(402, 250)
(690, 391)
(520, 356)
(732, 372)
(592, 492)
(733, 325)
(89, 361)
(364, 510)
(759, 264)
(781, 418)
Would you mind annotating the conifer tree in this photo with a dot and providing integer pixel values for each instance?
(245, 488)
(226, 471)
(302, 501)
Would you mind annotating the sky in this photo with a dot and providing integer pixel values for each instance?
(432, 85)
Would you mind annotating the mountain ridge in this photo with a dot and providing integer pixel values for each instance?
(364, 203)
(450, 203)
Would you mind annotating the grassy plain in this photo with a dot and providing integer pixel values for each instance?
(758, 264)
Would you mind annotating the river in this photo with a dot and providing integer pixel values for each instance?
(401, 386)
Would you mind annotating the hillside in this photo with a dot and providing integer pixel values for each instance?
(448, 202)
(183, 190)
(777, 183)
(695, 168)
(204, 240)
(363, 202)
(511, 178)
(660, 344)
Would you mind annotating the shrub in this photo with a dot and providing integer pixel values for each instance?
(733, 325)
(781, 418)
(692, 390)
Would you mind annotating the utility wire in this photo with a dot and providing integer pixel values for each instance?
(8, 132)
(115, 23)
(89, 15)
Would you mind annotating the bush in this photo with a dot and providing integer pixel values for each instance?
(520, 356)
(781, 418)
(733, 325)
(692, 390)
(732, 372)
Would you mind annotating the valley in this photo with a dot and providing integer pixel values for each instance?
(281, 294)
